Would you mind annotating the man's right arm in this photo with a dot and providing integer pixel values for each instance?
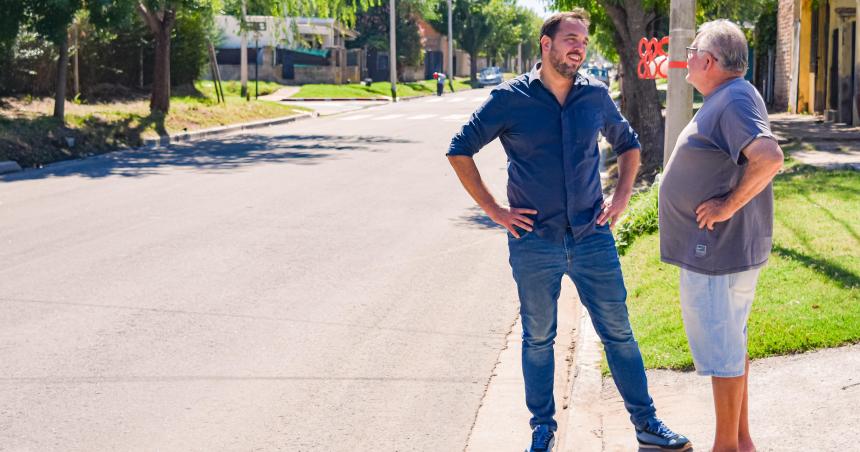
(485, 125)
(470, 177)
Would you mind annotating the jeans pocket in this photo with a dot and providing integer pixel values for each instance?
(522, 232)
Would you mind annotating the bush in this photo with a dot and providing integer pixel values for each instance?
(640, 219)
(120, 55)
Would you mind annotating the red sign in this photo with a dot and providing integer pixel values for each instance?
(654, 58)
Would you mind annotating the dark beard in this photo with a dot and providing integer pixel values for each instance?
(565, 69)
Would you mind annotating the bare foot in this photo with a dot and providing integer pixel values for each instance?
(746, 445)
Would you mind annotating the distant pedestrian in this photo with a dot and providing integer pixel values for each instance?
(440, 82)
(558, 222)
(716, 219)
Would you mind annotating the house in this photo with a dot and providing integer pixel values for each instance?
(289, 50)
(817, 64)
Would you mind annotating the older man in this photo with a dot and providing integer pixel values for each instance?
(558, 223)
(716, 219)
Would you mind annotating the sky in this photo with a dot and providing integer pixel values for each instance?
(538, 6)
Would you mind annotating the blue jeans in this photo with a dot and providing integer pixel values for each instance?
(592, 263)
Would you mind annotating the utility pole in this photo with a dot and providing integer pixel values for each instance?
(451, 46)
(679, 95)
(392, 51)
(77, 84)
(243, 53)
(520, 69)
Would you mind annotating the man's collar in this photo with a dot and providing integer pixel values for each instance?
(534, 75)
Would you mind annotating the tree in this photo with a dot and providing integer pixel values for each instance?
(505, 30)
(628, 21)
(471, 27)
(617, 26)
(372, 27)
(51, 20)
(528, 25)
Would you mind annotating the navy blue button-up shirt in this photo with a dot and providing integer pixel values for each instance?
(553, 161)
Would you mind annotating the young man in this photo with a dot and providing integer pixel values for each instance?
(716, 219)
(548, 121)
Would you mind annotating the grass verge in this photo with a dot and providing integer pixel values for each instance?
(30, 136)
(378, 90)
(808, 296)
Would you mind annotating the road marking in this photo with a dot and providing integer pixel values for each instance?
(415, 117)
(459, 117)
(386, 117)
(434, 100)
(354, 117)
(454, 100)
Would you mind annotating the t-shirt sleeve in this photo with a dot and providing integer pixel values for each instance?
(484, 126)
(741, 122)
(616, 129)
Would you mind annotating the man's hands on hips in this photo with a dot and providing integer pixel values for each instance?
(613, 208)
(713, 211)
(512, 216)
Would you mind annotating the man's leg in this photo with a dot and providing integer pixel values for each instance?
(715, 309)
(745, 442)
(596, 272)
(538, 266)
(728, 398)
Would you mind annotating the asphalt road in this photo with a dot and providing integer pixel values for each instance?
(323, 285)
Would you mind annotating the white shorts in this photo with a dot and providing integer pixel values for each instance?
(715, 311)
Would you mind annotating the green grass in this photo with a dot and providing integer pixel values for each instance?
(808, 296)
(30, 136)
(234, 87)
(378, 90)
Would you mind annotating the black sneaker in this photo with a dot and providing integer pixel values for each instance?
(542, 439)
(655, 435)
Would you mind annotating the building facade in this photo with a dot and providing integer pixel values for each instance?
(818, 59)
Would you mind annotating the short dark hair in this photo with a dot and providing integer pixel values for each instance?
(550, 26)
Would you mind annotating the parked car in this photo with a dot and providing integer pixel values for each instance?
(490, 76)
(598, 73)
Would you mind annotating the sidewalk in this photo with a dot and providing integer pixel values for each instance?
(805, 402)
(823, 144)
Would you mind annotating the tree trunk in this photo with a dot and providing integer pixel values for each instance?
(640, 102)
(243, 56)
(62, 69)
(160, 23)
(473, 67)
(160, 100)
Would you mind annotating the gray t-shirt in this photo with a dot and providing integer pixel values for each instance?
(707, 162)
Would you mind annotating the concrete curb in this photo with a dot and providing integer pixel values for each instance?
(335, 99)
(154, 143)
(350, 99)
(584, 427)
(217, 131)
(501, 422)
(9, 166)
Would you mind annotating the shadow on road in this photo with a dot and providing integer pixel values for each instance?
(214, 155)
(476, 218)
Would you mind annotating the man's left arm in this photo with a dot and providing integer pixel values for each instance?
(628, 166)
(764, 159)
(625, 144)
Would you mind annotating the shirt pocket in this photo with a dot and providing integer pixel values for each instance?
(587, 124)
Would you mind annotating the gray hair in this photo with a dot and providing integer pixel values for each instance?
(727, 42)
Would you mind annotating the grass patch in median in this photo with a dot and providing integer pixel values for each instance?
(377, 90)
(808, 296)
(30, 136)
